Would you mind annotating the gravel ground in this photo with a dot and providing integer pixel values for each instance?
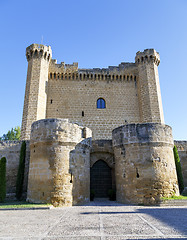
(101, 219)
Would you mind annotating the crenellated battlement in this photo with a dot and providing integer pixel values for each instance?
(62, 67)
(120, 69)
(147, 56)
(124, 71)
(38, 51)
(93, 76)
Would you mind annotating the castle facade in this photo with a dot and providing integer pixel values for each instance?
(98, 131)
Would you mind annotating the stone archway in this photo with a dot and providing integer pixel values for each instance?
(100, 179)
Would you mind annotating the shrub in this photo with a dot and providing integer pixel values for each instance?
(2, 179)
(21, 169)
(178, 169)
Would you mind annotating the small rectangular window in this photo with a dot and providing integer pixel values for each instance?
(82, 113)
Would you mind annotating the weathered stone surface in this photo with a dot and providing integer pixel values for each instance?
(182, 151)
(11, 150)
(150, 102)
(144, 163)
(38, 57)
(59, 163)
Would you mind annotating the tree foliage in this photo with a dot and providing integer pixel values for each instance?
(13, 134)
(178, 169)
(2, 179)
(21, 169)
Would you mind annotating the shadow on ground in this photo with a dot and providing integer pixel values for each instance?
(171, 217)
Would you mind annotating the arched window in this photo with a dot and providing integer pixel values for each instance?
(101, 103)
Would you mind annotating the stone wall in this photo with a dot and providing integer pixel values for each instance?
(59, 171)
(182, 151)
(144, 163)
(11, 150)
(77, 101)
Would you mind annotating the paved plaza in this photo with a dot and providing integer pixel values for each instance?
(103, 220)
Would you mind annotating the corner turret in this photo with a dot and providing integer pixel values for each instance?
(150, 103)
(147, 56)
(38, 57)
(38, 51)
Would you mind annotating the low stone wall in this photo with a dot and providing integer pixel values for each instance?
(182, 151)
(59, 171)
(145, 167)
(11, 150)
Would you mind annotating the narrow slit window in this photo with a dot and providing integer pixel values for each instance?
(101, 103)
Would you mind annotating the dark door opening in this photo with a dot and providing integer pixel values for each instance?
(100, 179)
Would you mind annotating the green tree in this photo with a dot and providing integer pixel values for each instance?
(178, 169)
(2, 179)
(21, 169)
(13, 134)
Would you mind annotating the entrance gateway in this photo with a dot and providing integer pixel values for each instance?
(100, 179)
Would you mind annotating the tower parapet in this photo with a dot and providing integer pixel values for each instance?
(38, 57)
(150, 103)
(38, 51)
(147, 56)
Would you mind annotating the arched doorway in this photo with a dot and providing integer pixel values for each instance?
(100, 179)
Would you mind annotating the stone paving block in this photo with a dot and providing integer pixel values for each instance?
(77, 224)
(130, 224)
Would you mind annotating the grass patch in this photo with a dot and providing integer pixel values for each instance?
(175, 198)
(22, 204)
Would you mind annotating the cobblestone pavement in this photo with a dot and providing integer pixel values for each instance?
(100, 220)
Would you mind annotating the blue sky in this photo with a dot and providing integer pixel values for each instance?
(95, 33)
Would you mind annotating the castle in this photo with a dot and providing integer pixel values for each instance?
(96, 129)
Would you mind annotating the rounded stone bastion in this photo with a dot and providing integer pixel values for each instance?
(144, 163)
(59, 170)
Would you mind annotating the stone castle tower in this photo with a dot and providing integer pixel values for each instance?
(97, 129)
(38, 57)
